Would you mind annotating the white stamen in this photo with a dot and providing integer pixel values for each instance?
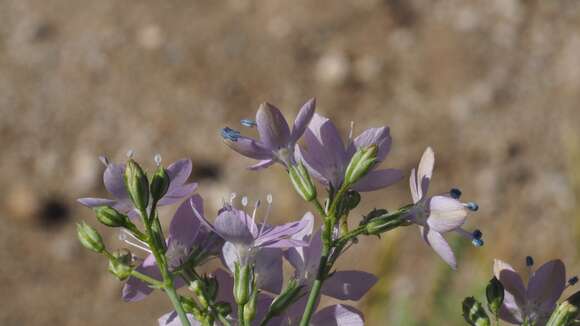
(124, 236)
(233, 196)
(157, 159)
(244, 201)
(351, 131)
(269, 200)
(130, 153)
(256, 205)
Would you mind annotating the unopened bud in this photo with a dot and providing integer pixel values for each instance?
(90, 238)
(159, 183)
(137, 185)
(111, 217)
(120, 266)
(360, 164)
(495, 295)
(474, 313)
(243, 279)
(250, 308)
(384, 223)
(302, 182)
(566, 312)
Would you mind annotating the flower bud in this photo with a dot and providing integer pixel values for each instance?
(566, 312)
(243, 279)
(90, 238)
(137, 185)
(384, 223)
(360, 164)
(250, 308)
(159, 184)
(120, 266)
(302, 182)
(495, 294)
(290, 295)
(474, 313)
(111, 217)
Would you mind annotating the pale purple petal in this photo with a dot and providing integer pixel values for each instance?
(135, 289)
(415, 191)
(303, 119)
(172, 319)
(348, 285)
(184, 226)
(262, 164)
(272, 127)
(374, 136)
(230, 255)
(314, 169)
(547, 283)
(338, 315)
(425, 170)
(510, 311)
(226, 284)
(179, 171)
(96, 202)
(114, 181)
(176, 193)
(269, 274)
(274, 236)
(378, 179)
(446, 214)
(249, 148)
(230, 225)
(440, 245)
(511, 281)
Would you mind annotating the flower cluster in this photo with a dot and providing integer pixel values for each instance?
(250, 288)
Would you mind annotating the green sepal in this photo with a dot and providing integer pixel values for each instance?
(90, 238)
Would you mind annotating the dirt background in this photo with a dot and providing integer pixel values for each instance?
(492, 85)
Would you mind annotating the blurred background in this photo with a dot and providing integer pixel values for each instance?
(492, 85)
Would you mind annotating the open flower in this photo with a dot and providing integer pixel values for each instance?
(341, 285)
(187, 238)
(277, 141)
(248, 242)
(327, 158)
(536, 302)
(113, 178)
(439, 214)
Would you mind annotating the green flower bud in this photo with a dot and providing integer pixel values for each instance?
(159, 183)
(190, 306)
(360, 164)
(250, 308)
(495, 294)
(384, 223)
(121, 265)
(566, 312)
(137, 185)
(90, 238)
(111, 217)
(223, 308)
(290, 295)
(197, 287)
(474, 313)
(302, 182)
(243, 279)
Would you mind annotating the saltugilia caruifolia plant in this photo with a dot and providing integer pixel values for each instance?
(250, 289)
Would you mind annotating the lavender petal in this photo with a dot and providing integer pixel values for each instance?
(379, 179)
(303, 119)
(272, 127)
(348, 285)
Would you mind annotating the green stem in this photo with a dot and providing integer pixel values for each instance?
(168, 284)
(241, 315)
(316, 286)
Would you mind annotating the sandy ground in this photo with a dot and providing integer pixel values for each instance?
(493, 86)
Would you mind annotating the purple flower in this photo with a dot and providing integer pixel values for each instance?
(114, 182)
(187, 237)
(327, 158)
(277, 141)
(536, 302)
(248, 242)
(225, 294)
(341, 285)
(437, 215)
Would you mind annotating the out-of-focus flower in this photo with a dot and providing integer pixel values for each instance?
(248, 242)
(277, 141)
(439, 214)
(327, 158)
(536, 302)
(178, 188)
(187, 237)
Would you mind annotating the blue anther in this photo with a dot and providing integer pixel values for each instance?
(477, 242)
(455, 193)
(573, 280)
(472, 206)
(477, 234)
(248, 123)
(529, 261)
(230, 134)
